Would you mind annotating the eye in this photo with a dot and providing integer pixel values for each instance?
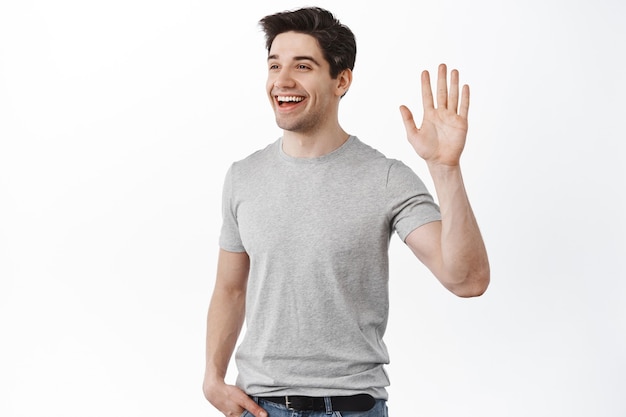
(303, 67)
(273, 67)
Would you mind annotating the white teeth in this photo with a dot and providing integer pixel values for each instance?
(289, 98)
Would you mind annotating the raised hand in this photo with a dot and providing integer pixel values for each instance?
(441, 137)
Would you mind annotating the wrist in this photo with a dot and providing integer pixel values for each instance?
(443, 170)
(212, 380)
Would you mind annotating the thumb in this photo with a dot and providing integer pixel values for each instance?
(409, 122)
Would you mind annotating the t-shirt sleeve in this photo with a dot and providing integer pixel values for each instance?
(410, 203)
(230, 239)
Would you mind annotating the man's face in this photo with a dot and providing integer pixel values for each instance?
(299, 85)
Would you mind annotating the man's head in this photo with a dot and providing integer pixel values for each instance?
(309, 69)
(336, 40)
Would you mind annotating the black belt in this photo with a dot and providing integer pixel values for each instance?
(359, 402)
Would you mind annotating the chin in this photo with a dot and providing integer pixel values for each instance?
(298, 125)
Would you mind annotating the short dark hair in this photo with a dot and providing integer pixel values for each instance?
(336, 40)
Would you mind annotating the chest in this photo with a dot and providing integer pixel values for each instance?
(298, 211)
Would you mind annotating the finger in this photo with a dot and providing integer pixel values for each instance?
(409, 122)
(249, 404)
(465, 101)
(453, 97)
(442, 87)
(427, 92)
(257, 410)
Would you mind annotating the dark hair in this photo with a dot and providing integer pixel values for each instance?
(336, 40)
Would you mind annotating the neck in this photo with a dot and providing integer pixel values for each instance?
(313, 145)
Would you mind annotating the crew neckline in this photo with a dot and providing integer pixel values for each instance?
(317, 159)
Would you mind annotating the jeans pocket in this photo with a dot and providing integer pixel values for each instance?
(245, 414)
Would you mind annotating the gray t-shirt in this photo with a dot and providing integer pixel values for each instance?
(317, 231)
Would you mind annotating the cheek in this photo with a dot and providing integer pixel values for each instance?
(268, 91)
(269, 81)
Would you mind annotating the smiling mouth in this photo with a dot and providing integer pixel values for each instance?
(286, 100)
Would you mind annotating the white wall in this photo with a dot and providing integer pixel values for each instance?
(118, 120)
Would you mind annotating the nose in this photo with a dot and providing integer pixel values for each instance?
(284, 79)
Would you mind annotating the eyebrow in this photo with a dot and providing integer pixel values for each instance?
(298, 58)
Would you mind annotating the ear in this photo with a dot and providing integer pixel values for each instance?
(344, 80)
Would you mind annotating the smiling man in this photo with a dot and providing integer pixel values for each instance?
(305, 92)
(306, 228)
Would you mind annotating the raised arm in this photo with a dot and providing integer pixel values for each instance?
(452, 249)
(224, 322)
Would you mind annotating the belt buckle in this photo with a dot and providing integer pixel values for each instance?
(300, 404)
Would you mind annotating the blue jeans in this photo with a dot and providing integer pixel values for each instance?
(279, 410)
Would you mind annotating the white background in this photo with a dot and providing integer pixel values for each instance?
(118, 121)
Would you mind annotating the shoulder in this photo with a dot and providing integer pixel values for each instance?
(365, 153)
(374, 157)
(255, 160)
(361, 148)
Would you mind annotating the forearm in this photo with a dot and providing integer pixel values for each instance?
(226, 314)
(224, 322)
(464, 262)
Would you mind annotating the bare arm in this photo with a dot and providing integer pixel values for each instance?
(224, 322)
(452, 249)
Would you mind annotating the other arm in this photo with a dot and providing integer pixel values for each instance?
(452, 249)
(224, 322)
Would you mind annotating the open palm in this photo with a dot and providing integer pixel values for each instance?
(441, 138)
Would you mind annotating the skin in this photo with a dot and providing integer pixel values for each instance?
(452, 249)
(296, 67)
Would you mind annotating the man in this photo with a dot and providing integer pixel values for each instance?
(306, 228)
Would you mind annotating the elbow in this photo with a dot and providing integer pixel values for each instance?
(474, 285)
(471, 291)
